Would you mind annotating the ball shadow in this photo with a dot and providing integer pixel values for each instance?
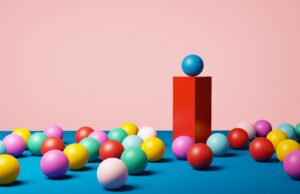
(65, 177)
(272, 160)
(228, 155)
(144, 173)
(23, 156)
(164, 160)
(95, 161)
(123, 188)
(16, 183)
(210, 169)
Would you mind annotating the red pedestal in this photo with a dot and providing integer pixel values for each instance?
(192, 107)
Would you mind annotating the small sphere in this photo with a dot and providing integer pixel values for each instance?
(111, 149)
(54, 164)
(2, 148)
(288, 129)
(54, 130)
(200, 156)
(262, 128)
(132, 141)
(147, 132)
(154, 149)
(100, 136)
(291, 164)
(35, 143)
(112, 173)
(218, 144)
(130, 128)
(10, 169)
(117, 134)
(276, 136)
(238, 138)
(92, 146)
(192, 65)
(82, 133)
(297, 130)
(77, 156)
(24, 133)
(135, 160)
(285, 147)
(14, 144)
(181, 145)
(249, 128)
(261, 149)
(52, 143)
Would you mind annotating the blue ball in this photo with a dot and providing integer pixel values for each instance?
(218, 144)
(192, 65)
(2, 148)
(132, 141)
(288, 129)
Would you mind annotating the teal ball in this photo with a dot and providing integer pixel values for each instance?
(92, 146)
(218, 144)
(288, 129)
(135, 160)
(117, 134)
(35, 143)
(132, 141)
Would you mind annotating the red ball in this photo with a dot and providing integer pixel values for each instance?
(199, 156)
(111, 149)
(238, 138)
(82, 133)
(261, 149)
(52, 143)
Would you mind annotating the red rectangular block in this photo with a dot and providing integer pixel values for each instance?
(192, 107)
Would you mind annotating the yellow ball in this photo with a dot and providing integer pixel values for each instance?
(276, 136)
(154, 149)
(285, 147)
(130, 128)
(24, 133)
(9, 169)
(77, 155)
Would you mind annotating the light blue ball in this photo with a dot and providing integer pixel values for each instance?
(192, 65)
(288, 129)
(132, 141)
(218, 143)
(2, 148)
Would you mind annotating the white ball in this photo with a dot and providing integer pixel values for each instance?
(112, 173)
(147, 132)
(249, 128)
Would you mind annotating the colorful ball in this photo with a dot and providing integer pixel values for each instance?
(192, 65)
(130, 128)
(291, 164)
(24, 133)
(262, 128)
(10, 169)
(112, 173)
(132, 141)
(288, 129)
(147, 132)
(54, 164)
(297, 130)
(135, 160)
(92, 146)
(249, 128)
(276, 136)
(54, 130)
(218, 143)
(117, 134)
(111, 149)
(238, 138)
(14, 144)
(181, 145)
(285, 147)
(200, 156)
(77, 156)
(154, 149)
(82, 133)
(2, 148)
(52, 143)
(261, 149)
(100, 136)
(35, 143)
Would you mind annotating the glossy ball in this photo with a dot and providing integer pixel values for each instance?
(200, 156)
(117, 134)
(249, 128)
(276, 136)
(24, 133)
(100, 136)
(82, 133)
(111, 149)
(147, 132)
(261, 149)
(238, 138)
(285, 147)
(135, 160)
(10, 169)
(35, 143)
(52, 143)
(154, 149)
(54, 131)
(181, 145)
(291, 164)
(262, 128)
(77, 156)
(112, 173)
(92, 146)
(132, 141)
(14, 144)
(192, 65)
(2, 148)
(288, 129)
(218, 143)
(54, 164)
(130, 128)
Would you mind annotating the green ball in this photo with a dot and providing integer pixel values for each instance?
(117, 134)
(92, 146)
(135, 159)
(35, 142)
(297, 129)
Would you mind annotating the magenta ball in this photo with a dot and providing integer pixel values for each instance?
(291, 164)
(100, 136)
(181, 145)
(15, 145)
(54, 164)
(54, 130)
(262, 128)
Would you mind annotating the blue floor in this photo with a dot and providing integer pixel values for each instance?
(237, 172)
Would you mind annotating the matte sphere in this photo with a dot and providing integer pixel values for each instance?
(14, 144)
(291, 164)
(285, 147)
(261, 149)
(181, 145)
(117, 134)
(200, 156)
(238, 138)
(130, 128)
(154, 149)
(147, 132)
(77, 155)
(54, 131)
(24, 133)
(52, 143)
(218, 144)
(135, 160)
(35, 143)
(297, 130)
(82, 133)
(192, 65)
(132, 141)
(100, 136)
(288, 129)
(10, 169)
(92, 146)
(54, 164)
(262, 128)
(249, 128)
(112, 173)
(111, 149)
(2, 148)
(276, 136)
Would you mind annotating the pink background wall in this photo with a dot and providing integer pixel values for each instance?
(100, 63)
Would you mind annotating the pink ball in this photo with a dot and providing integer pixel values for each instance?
(15, 145)
(54, 130)
(262, 128)
(181, 145)
(291, 164)
(100, 136)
